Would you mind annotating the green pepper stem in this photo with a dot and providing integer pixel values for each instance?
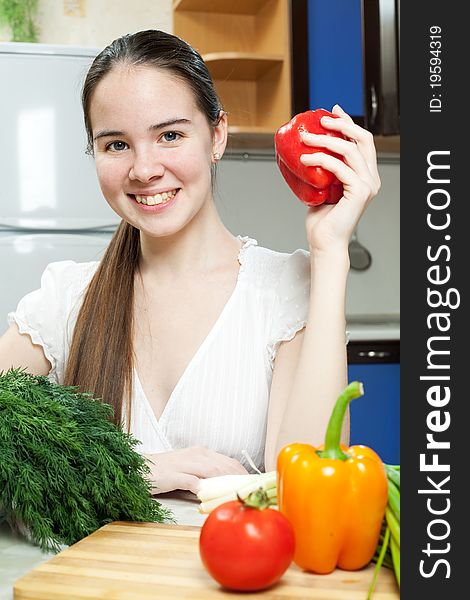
(333, 432)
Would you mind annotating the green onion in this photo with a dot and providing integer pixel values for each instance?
(393, 525)
(380, 561)
(214, 491)
(394, 500)
(388, 549)
(396, 559)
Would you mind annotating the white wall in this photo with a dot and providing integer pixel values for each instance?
(96, 23)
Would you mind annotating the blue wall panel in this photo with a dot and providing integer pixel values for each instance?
(375, 417)
(335, 55)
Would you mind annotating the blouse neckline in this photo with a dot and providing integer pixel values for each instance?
(247, 242)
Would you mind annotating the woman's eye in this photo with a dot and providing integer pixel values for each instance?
(117, 146)
(170, 136)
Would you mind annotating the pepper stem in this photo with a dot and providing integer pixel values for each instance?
(333, 432)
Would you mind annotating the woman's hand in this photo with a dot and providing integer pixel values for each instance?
(331, 225)
(182, 469)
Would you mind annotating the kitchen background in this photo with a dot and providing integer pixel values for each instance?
(252, 196)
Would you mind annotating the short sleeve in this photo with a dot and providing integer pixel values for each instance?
(44, 314)
(292, 293)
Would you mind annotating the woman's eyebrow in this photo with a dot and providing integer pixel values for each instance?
(108, 133)
(116, 133)
(170, 122)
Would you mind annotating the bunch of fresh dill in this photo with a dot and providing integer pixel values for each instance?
(65, 468)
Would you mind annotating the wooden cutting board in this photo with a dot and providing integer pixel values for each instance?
(139, 561)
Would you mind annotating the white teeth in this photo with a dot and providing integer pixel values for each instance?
(157, 199)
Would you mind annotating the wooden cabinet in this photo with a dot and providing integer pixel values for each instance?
(246, 46)
(362, 59)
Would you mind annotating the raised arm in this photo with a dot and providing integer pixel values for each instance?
(311, 370)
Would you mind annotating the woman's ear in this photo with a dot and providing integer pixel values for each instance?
(219, 139)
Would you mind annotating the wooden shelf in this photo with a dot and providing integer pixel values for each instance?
(387, 144)
(240, 65)
(262, 138)
(232, 7)
(250, 138)
(236, 129)
(246, 47)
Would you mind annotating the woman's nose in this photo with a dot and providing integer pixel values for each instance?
(146, 166)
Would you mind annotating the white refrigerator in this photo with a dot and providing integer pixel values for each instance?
(51, 207)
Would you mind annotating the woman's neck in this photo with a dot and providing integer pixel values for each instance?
(203, 244)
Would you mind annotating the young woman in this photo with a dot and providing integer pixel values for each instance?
(206, 344)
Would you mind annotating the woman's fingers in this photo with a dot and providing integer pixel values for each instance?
(365, 186)
(175, 481)
(182, 469)
(185, 481)
(208, 463)
(357, 150)
(337, 110)
(345, 148)
(351, 157)
(346, 126)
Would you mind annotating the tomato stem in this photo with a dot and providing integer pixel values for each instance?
(258, 499)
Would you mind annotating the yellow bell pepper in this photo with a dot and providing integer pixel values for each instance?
(335, 497)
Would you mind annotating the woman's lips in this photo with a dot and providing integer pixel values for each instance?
(152, 199)
(156, 203)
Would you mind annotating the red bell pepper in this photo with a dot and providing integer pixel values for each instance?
(312, 185)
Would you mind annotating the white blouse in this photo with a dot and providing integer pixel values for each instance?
(221, 399)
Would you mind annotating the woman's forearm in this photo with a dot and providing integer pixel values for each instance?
(321, 371)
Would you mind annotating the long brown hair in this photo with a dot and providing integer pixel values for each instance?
(101, 357)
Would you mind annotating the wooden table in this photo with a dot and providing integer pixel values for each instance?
(139, 561)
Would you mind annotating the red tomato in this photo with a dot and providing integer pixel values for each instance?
(246, 548)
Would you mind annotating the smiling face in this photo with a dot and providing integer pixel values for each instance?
(153, 148)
